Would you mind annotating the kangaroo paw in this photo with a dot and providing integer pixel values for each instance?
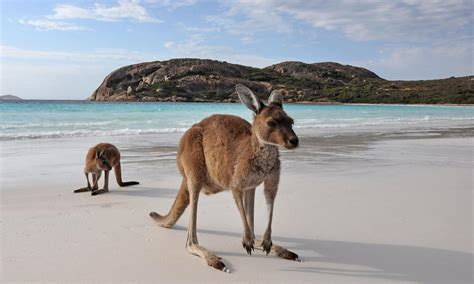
(216, 262)
(267, 246)
(278, 251)
(84, 189)
(98, 191)
(248, 246)
(286, 254)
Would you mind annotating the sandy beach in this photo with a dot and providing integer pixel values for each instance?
(356, 208)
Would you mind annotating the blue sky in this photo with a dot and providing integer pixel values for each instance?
(64, 49)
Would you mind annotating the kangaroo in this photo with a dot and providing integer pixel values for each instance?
(102, 157)
(225, 152)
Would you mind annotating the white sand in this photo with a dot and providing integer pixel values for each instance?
(392, 211)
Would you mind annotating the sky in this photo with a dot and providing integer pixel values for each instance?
(64, 49)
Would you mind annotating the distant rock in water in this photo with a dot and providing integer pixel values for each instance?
(10, 98)
(205, 80)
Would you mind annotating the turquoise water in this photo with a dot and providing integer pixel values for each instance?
(53, 119)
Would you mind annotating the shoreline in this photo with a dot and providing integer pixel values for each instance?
(222, 102)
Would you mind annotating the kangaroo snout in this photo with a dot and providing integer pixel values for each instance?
(294, 140)
(292, 143)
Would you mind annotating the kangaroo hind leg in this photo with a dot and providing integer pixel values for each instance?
(192, 244)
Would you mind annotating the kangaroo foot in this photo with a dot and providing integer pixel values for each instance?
(248, 243)
(267, 246)
(160, 220)
(278, 251)
(211, 259)
(99, 191)
(84, 189)
(216, 262)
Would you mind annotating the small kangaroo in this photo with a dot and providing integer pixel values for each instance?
(225, 152)
(102, 157)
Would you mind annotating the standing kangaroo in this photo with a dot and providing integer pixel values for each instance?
(102, 157)
(225, 152)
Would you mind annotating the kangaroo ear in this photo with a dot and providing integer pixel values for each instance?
(276, 98)
(100, 153)
(97, 154)
(249, 99)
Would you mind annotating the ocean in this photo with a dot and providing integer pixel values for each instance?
(63, 119)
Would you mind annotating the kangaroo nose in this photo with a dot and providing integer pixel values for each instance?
(293, 140)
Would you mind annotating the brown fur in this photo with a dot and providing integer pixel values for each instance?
(225, 152)
(102, 157)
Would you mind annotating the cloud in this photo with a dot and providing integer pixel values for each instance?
(173, 4)
(47, 25)
(365, 20)
(420, 63)
(195, 29)
(101, 55)
(406, 20)
(169, 44)
(195, 46)
(247, 20)
(125, 9)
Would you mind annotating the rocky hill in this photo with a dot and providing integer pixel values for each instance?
(203, 80)
(10, 98)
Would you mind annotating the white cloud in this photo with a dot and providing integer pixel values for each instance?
(64, 11)
(413, 20)
(173, 4)
(195, 29)
(420, 63)
(247, 20)
(101, 55)
(395, 21)
(169, 44)
(196, 47)
(125, 9)
(47, 25)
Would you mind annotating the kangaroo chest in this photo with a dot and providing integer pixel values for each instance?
(252, 172)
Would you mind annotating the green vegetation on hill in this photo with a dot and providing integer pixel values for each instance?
(451, 91)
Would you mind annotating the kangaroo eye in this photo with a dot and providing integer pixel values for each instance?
(271, 123)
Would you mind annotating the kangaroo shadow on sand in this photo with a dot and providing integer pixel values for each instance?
(142, 191)
(378, 261)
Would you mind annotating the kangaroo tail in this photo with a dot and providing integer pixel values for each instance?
(179, 205)
(118, 177)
